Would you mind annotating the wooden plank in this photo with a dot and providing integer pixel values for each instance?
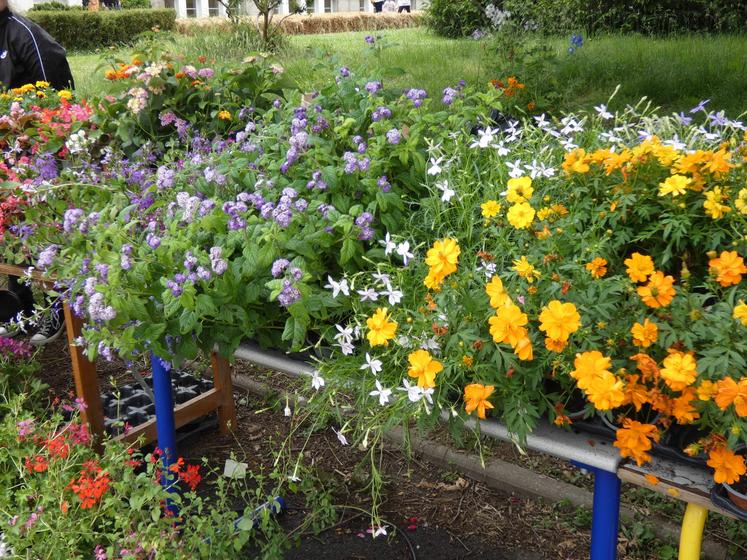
(224, 385)
(84, 374)
(676, 480)
(184, 413)
(20, 271)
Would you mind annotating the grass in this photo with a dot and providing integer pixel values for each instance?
(674, 73)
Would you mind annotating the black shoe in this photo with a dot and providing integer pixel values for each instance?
(50, 328)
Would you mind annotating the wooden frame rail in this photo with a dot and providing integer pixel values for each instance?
(219, 398)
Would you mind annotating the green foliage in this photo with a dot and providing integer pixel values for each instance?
(103, 28)
(456, 18)
(53, 7)
(624, 16)
(135, 4)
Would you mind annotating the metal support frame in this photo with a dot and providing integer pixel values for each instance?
(691, 534)
(165, 424)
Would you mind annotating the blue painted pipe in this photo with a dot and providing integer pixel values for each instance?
(606, 515)
(165, 425)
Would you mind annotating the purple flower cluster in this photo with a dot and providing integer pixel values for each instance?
(393, 136)
(449, 95)
(218, 264)
(373, 87)
(45, 166)
(98, 311)
(416, 96)
(153, 241)
(316, 181)
(14, 349)
(46, 257)
(165, 177)
(189, 205)
(125, 260)
(381, 113)
(278, 267)
(383, 184)
(345, 72)
(71, 218)
(364, 223)
(289, 294)
(353, 163)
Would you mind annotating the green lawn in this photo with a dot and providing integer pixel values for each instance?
(675, 73)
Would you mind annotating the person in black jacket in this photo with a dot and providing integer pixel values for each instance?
(28, 54)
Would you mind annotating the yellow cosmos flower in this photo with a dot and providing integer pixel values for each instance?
(706, 390)
(679, 371)
(576, 161)
(523, 349)
(380, 328)
(526, 270)
(728, 466)
(676, 185)
(443, 257)
(224, 115)
(559, 320)
(740, 313)
(597, 267)
(605, 391)
(588, 365)
(496, 292)
(519, 190)
(741, 201)
(713, 203)
(521, 215)
(555, 345)
(490, 209)
(476, 398)
(507, 325)
(644, 335)
(424, 367)
(639, 267)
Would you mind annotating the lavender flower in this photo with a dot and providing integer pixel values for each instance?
(393, 136)
(46, 257)
(373, 87)
(381, 113)
(98, 311)
(71, 219)
(278, 267)
(289, 294)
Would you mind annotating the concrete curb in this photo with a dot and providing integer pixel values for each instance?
(498, 474)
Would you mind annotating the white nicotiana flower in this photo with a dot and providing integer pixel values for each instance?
(515, 169)
(501, 149)
(394, 296)
(414, 393)
(338, 288)
(403, 250)
(485, 138)
(317, 381)
(287, 410)
(382, 278)
(388, 244)
(344, 334)
(341, 437)
(447, 193)
(435, 167)
(431, 344)
(404, 341)
(542, 121)
(382, 393)
(346, 348)
(603, 112)
(372, 364)
(369, 294)
(427, 393)
(379, 531)
(488, 268)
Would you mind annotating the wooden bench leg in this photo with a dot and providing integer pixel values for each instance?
(84, 374)
(223, 384)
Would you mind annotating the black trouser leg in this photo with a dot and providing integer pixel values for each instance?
(23, 291)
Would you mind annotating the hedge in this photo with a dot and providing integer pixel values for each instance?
(84, 30)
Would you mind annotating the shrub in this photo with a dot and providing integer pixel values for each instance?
(135, 4)
(53, 7)
(103, 28)
(456, 18)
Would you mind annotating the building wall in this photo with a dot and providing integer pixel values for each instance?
(199, 8)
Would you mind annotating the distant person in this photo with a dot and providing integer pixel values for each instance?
(390, 6)
(377, 6)
(28, 55)
(403, 6)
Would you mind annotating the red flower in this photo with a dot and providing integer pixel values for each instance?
(58, 447)
(37, 464)
(191, 476)
(91, 485)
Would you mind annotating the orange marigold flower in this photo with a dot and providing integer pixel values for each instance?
(468, 360)
(728, 268)
(730, 392)
(644, 335)
(597, 267)
(639, 267)
(659, 291)
(634, 440)
(679, 371)
(424, 368)
(728, 466)
(476, 398)
(224, 115)
(507, 325)
(559, 320)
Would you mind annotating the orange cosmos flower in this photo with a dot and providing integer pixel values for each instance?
(728, 268)
(647, 366)
(679, 371)
(576, 161)
(496, 292)
(728, 466)
(589, 365)
(443, 257)
(659, 291)
(683, 409)
(639, 267)
(730, 392)
(706, 390)
(380, 328)
(424, 367)
(507, 325)
(635, 393)
(644, 335)
(476, 398)
(555, 345)
(559, 320)
(597, 267)
(523, 349)
(605, 391)
(634, 440)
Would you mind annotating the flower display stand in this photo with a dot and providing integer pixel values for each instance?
(219, 398)
(675, 479)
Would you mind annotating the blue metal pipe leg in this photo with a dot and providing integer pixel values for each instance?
(165, 425)
(606, 515)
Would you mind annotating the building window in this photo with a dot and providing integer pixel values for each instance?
(362, 5)
(213, 8)
(330, 6)
(192, 8)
